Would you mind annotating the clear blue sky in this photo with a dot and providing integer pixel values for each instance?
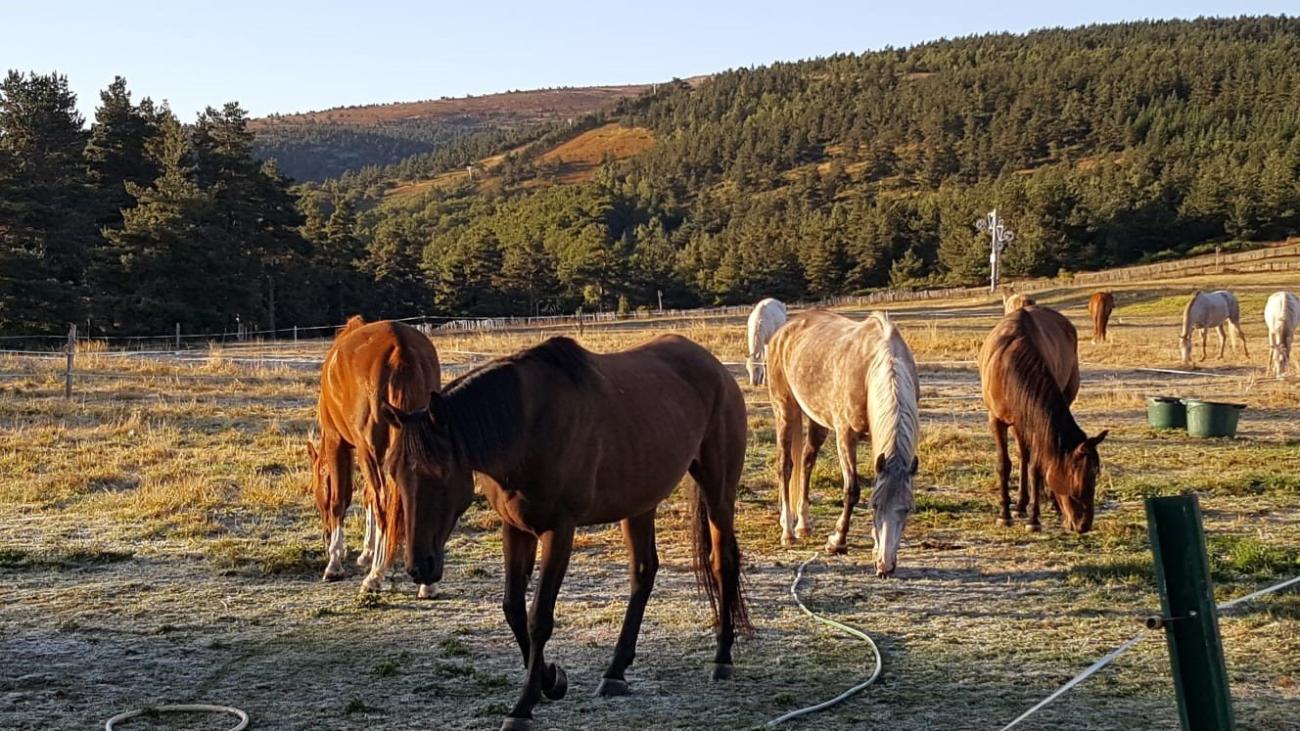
(288, 55)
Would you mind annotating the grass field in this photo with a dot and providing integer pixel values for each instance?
(157, 544)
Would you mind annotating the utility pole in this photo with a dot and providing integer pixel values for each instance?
(999, 236)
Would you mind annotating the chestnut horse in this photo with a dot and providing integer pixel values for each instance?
(559, 438)
(855, 378)
(371, 373)
(1029, 373)
(1100, 305)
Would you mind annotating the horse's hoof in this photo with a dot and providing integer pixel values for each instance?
(837, 549)
(804, 532)
(371, 587)
(1021, 513)
(787, 541)
(1034, 528)
(333, 576)
(1004, 522)
(424, 592)
(364, 560)
(722, 671)
(517, 724)
(612, 688)
(559, 687)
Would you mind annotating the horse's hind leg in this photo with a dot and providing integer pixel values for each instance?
(643, 559)
(816, 437)
(1022, 498)
(1034, 525)
(382, 549)
(717, 475)
(1223, 339)
(999, 429)
(368, 544)
(1239, 336)
(846, 443)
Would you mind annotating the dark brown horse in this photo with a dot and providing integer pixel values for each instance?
(560, 438)
(371, 374)
(1100, 305)
(1029, 370)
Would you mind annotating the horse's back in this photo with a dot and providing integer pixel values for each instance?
(1049, 334)
(379, 361)
(820, 359)
(1282, 311)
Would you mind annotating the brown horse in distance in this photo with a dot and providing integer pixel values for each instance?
(1100, 305)
(1029, 372)
(372, 374)
(559, 438)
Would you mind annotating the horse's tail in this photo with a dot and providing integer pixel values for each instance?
(706, 577)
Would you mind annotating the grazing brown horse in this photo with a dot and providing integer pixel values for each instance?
(372, 374)
(853, 378)
(1100, 305)
(1029, 371)
(560, 438)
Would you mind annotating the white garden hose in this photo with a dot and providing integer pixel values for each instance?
(794, 592)
(111, 724)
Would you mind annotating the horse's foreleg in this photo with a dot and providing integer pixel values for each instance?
(520, 551)
(383, 550)
(1022, 497)
(372, 535)
(543, 679)
(340, 468)
(1240, 336)
(846, 443)
(788, 433)
(643, 559)
(812, 446)
(999, 430)
(1034, 525)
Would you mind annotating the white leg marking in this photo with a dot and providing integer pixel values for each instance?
(368, 547)
(338, 550)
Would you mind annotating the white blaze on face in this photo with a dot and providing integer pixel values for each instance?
(887, 531)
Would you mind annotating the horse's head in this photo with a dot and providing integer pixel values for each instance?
(891, 504)
(433, 486)
(1075, 491)
(322, 487)
(1185, 347)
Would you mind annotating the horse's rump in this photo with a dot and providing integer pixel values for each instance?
(1025, 346)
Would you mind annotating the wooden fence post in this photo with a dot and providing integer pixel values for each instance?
(71, 350)
(1190, 618)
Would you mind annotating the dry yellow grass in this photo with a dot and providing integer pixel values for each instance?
(157, 543)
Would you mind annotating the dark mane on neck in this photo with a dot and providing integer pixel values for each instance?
(484, 409)
(1037, 400)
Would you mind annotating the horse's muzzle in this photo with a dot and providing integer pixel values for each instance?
(427, 571)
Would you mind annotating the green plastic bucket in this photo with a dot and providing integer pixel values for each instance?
(1212, 418)
(1166, 412)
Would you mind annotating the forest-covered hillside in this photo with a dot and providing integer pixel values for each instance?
(1099, 145)
(326, 144)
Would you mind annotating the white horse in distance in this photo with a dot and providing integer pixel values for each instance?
(1207, 310)
(764, 320)
(1281, 314)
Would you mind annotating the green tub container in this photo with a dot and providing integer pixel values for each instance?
(1212, 418)
(1166, 412)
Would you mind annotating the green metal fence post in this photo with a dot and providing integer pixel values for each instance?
(1190, 619)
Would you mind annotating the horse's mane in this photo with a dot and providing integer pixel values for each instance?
(484, 409)
(1035, 397)
(892, 415)
(1187, 309)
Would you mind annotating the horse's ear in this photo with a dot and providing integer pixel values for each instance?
(1101, 437)
(916, 464)
(311, 451)
(880, 463)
